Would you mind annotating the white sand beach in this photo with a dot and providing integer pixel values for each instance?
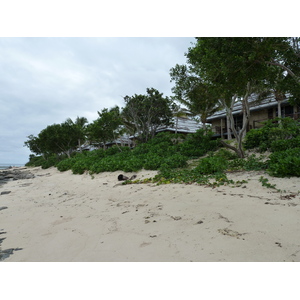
(62, 217)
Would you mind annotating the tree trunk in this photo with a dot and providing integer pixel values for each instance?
(229, 136)
(279, 98)
(246, 115)
(203, 120)
(236, 150)
(79, 145)
(279, 109)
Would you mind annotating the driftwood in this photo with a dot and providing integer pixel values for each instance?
(122, 177)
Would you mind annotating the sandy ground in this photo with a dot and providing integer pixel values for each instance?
(61, 217)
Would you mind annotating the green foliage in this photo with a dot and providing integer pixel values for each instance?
(133, 164)
(161, 152)
(165, 154)
(281, 145)
(106, 128)
(211, 165)
(285, 163)
(35, 161)
(45, 163)
(219, 59)
(265, 182)
(226, 154)
(274, 135)
(66, 164)
(60, 139)
(255, 138)
(145, 113)
(250, 163)
(176, 161)
(167, 176)
(198, 144)
(153, 162)
(255, 164)
(194, 93)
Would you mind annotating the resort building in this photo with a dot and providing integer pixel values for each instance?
(259, 113)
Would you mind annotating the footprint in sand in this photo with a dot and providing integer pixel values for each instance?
(144, 244)
(61, 220)
(231, 233)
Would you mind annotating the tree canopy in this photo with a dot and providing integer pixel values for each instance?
(106, 128)
(143, 114)
(193, 92)
(55, 139)
(231, 69)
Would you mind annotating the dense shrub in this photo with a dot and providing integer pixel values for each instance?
(274, 130)
(153, 162)
(80, 166)
(250, 163)
(211, 165)
(66, 164)
(281, 145)
(285, 163)
(176, 161)
(253, 163)
(45, 163)
(165, 150)
(133, 164)
(198, 144)
(115, 150)
(226, 154)
(35, 161)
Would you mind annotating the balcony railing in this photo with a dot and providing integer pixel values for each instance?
(222, 131)
(260, 123)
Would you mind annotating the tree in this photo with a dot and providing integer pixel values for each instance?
(80, 126)
(60, 138)
(55, 139)
(195, 94)
(106, 128)
(235, 68)
(179, 112)
(35, 145)
(145, 113)
(283, 53)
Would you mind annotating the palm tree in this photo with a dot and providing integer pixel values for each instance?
(80, 124)
(200, 100)
(179, 112)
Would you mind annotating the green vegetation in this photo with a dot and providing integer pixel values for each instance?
(276, 135)
(285, 163)
(265, 182)
(282, 138)
(161, 152)
(220, 73)
(171, 158)
(145, 113)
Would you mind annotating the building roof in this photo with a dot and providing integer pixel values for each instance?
(268, 102)
(185, 125)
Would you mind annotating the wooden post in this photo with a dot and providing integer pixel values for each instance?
(222, 129)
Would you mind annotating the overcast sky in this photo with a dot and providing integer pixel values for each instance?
(47, 80)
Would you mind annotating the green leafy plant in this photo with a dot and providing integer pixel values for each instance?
(285, 163)
(265, 182)
(211, 165)
(274, 135)
(226, 154)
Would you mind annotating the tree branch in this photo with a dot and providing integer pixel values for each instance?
(285, 68)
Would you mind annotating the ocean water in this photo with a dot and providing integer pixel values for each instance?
(6, 166)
